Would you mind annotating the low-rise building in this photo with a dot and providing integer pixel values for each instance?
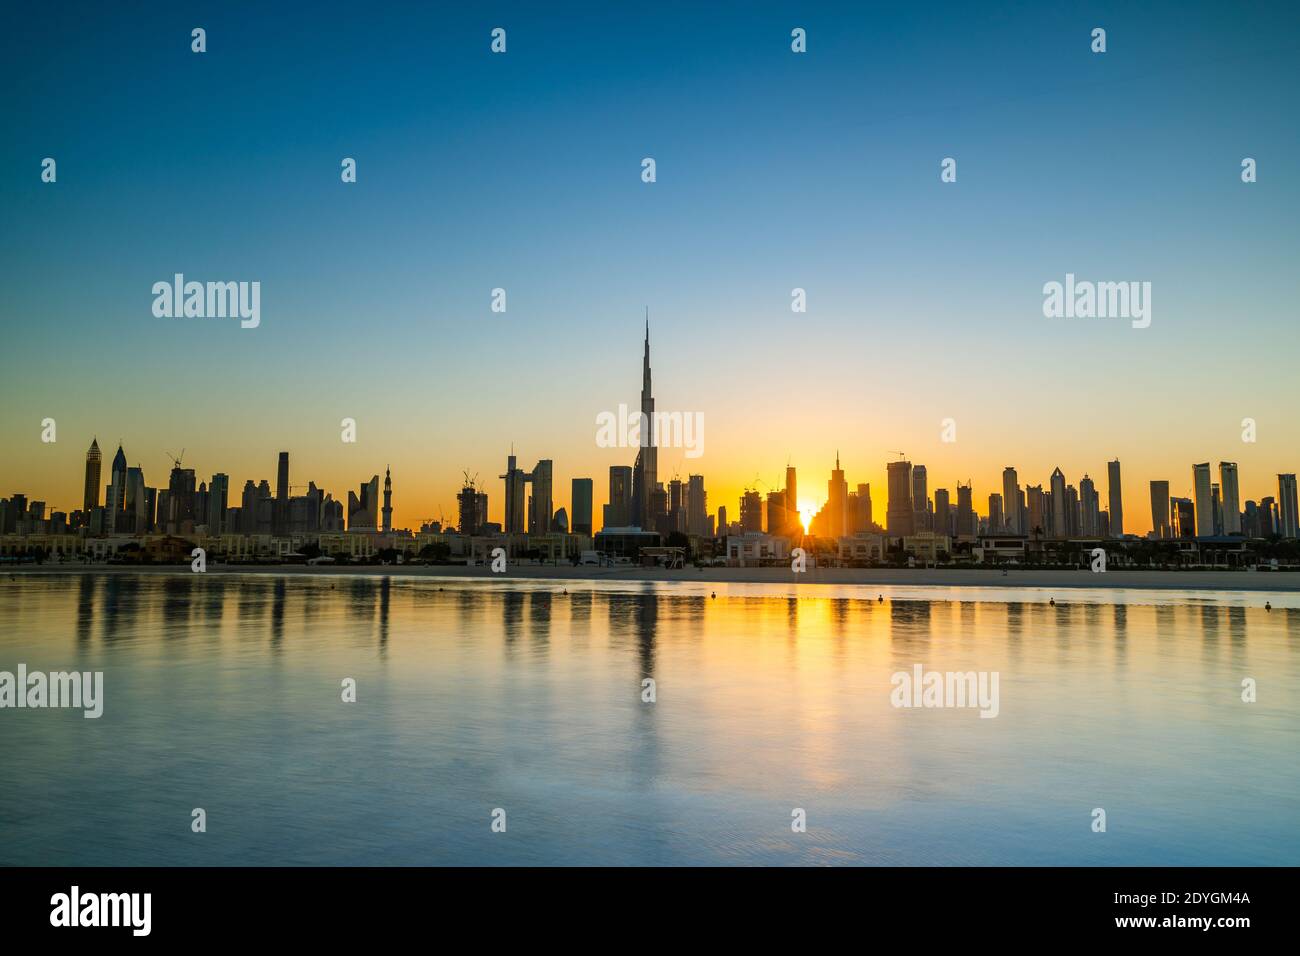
(999, 548)
(754, 548)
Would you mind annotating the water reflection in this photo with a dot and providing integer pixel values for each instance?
(530, 695)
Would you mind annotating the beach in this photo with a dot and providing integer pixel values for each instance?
(1014, 578)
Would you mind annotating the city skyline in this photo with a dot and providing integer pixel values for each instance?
(924, 298)
(578, 436)
(1216, 504)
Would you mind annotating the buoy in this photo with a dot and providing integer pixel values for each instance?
(714, 594)
(1052, 602)
(1268, 606)
(880, 599)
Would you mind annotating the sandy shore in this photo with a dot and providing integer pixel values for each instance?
(888, 577)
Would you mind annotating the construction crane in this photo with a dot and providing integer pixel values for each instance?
(176, 461)
(470, 482)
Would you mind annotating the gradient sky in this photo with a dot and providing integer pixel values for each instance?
(775, 170)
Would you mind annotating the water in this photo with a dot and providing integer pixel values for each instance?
(224, 692)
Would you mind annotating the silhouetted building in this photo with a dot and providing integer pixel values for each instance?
(363, 511)
(1160, 513)
(618, 513)
(580, 499)
(541, 505)
(1230, 497)
(515, 496)
(899, 518)
(645, 473)
(1116, 496)
(90, 499)
(1286, 506)
(697, 508)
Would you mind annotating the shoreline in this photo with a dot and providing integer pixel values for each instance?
(1015, 578)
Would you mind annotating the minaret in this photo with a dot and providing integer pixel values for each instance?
(388, 500)
(90, 500)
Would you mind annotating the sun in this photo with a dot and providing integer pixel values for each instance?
(806, 512)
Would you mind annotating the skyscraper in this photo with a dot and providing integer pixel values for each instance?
(697, 507)
(645, 475)
(136, 507)
(1089, 508)
(676, 505)
(580, 499)
(247, 509)
(1011, 499)
(942, 512)
(282, 478)
(1230, 497)
(90, 500)
(997, 521)
(516, 495)
(1036, 520)
(1160, 512)
(862, 520)
(1061, 522)
(181, 485)
(1071, 511)
(541, 506)
(1116, 499)
(218, 500)
(920, 499)
(965, 510)
(1203, 492)
(1286, 506)
(795, 521)
(837, 501)
(281, 520)
(898, 509)
(1267, 517)
(363, 510)
(618, 513)
(751, 511)
(388, 498)
(115, 501)
(777, 514)
(1182, 518)
(470, 508)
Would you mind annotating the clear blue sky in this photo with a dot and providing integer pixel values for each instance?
(775, 170)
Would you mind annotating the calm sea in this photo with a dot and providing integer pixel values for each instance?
(224, 692)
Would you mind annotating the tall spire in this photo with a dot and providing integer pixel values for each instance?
(645, 472)
(645, 366)
(387, 514)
